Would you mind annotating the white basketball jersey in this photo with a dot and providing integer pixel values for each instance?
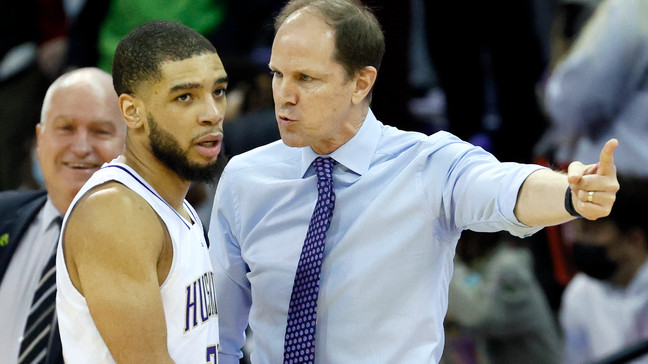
(187, 293)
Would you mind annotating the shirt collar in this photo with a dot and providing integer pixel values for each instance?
(357, 153)
(50, 213)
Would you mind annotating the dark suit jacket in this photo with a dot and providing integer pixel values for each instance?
(17, 211)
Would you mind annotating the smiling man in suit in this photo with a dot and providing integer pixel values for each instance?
(81, 128)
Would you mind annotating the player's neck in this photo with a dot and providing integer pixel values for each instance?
(166, 183)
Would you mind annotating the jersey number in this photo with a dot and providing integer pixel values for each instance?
(212, 355)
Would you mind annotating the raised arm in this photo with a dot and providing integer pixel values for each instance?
(541, 200)
(118, 253)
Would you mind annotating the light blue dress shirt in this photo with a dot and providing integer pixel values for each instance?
(402, 200)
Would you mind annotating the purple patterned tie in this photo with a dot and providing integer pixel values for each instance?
(299, 344)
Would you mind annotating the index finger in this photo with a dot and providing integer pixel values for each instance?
(606, 160)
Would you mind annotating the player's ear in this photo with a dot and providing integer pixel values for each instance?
(132, 110)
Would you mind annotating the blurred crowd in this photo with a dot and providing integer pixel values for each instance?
(542, 81)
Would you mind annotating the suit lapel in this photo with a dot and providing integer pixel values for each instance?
(15, 226)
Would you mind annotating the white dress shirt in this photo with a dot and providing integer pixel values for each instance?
(21, 279)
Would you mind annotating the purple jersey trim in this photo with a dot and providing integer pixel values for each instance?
(154, 193)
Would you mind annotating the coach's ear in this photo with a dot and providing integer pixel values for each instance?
(132, 110)
(364, 81)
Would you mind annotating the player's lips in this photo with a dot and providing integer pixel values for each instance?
(209, 145)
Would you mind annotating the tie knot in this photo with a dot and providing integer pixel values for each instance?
(57, 222)
(324, 168)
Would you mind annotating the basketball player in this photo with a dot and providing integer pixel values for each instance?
(135, 281)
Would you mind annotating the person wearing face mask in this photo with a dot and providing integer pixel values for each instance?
(605, 306)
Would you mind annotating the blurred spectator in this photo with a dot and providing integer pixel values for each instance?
(495, 300)
(244, 39)
(569, 18)
(102, 23)
(489, 80)
(605, 307)
(33, 43)
(392, 90)
(601, 89)
(597, 87)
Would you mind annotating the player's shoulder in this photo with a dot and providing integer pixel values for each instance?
(111, 193)
(112, 204)
(108, 218)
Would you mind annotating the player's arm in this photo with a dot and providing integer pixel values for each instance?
(115, 251)
(541, 199)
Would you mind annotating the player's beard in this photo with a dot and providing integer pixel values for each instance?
(166, 148)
